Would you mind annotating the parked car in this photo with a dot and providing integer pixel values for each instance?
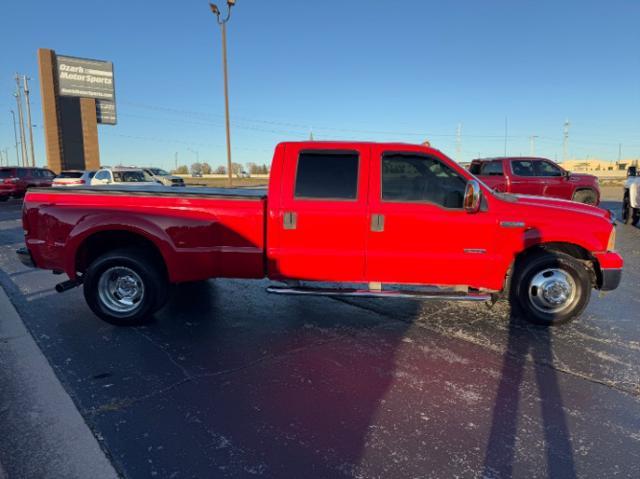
(243, 174)
(163, 177)
(121, 176)
(631, 197)
(536, 176)
(73, 178)
(15, 180)
(377, 214)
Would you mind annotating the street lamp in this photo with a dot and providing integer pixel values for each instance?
(222, 21)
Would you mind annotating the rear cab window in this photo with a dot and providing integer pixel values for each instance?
(327, 175)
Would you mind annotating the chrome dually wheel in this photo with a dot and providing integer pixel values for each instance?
(121, 289)
(550, 287)
(125, 286)
(552, 290)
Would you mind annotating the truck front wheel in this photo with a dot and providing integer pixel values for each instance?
(125, 287)
(588, 197)
(550, 288)
(630, 215)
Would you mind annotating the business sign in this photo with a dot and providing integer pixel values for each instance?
(106, 112)
(85, 78)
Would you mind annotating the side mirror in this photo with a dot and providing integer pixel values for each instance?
(472, 197)
(632, 171)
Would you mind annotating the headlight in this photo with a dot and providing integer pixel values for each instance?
(611, 246)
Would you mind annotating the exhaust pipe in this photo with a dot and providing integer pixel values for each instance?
(67, 285)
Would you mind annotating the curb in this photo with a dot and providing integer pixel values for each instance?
(43, 434)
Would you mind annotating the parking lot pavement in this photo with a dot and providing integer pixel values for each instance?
(231, 382)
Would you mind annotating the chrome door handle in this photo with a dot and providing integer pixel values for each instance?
(290, 220)
(377, 223)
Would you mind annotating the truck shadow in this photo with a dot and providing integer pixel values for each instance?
(528, 343)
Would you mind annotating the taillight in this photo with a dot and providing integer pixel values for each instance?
(11, 180)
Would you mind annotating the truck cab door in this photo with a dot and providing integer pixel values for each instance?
(317, 232)
(554, 181)
(419, 232)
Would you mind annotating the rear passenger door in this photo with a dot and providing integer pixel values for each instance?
(321, 220)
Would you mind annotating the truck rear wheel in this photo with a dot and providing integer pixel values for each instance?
(550, 288)
(588, 197)
(125, 287)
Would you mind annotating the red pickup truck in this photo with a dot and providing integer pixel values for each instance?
(536, 176)
(347, 213)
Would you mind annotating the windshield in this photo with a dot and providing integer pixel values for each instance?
(70, 174)
(158, 172)
(128, 176)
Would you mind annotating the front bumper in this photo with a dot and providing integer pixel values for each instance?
(610, 279)
(24, 255)
(608, 270)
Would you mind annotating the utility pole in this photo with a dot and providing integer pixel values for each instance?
(15, 136)
(565, 140)
(28, 103)
(459, 142)
(223, 23)
(175, 157)
(619, 152)
(532, 145)
(23, 140)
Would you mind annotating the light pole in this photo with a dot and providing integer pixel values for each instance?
(223, 23)
(23, 139)
(28, 102)
(15, 136)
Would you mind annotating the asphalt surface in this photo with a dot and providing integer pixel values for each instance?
(232, 382)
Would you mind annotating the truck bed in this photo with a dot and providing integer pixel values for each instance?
(199, 232)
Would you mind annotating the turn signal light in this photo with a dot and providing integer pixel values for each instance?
(611, 246)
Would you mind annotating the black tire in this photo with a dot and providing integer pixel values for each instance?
(138, 272)
(630, 216)
(627, 211)
(554, 270)
(588, 197)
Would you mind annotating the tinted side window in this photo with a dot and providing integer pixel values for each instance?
(22, 173)
(408, 177)
(102, 175)
(492, 168)
(327, 175)
(544, 168)
(523, 168)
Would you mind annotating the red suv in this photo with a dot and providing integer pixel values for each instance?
(536, 176)
(14, 181)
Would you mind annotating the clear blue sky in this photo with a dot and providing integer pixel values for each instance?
(374, 70)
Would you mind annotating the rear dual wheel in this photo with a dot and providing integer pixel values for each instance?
(125, 287)
(550, 288)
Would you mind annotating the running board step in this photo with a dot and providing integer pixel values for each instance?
(367, 293)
